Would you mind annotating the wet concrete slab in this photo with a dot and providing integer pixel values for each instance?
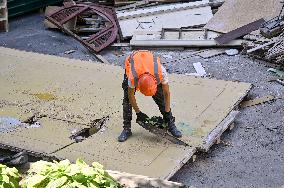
(78, 91)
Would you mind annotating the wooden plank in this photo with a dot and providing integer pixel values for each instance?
(246, 29)
(210, 53)
(182, 43)
(120, 45)
(237, 13)
(218, 131)
(127, 14)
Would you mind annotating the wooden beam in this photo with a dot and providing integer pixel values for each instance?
(218, 131)
(182, 43)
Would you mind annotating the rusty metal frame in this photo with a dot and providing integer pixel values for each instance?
(97, 41)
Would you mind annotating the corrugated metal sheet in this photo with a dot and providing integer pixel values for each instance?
(18, 7)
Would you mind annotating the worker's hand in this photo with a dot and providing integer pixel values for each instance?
(168, 116)
(141, 117)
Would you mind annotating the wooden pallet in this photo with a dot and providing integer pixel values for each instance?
(3, 16)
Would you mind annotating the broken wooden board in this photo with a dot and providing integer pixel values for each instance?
(215, 134)
(241, 31)
(84, 91)
(237, 13)
(210, 53)
(167, 16)
(257, 101)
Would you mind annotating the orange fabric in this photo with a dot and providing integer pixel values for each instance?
(143, 63)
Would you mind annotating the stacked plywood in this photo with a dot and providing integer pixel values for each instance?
(3, 16)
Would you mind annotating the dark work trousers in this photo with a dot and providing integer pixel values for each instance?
(127, 108)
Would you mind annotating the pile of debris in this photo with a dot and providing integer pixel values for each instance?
(271, 50)
(251, 25)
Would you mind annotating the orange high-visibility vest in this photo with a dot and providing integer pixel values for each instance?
(141, 62)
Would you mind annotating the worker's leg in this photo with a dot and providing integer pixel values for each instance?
(127, 112)
(159, 100)
(127, 108)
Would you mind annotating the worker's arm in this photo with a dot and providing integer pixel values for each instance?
(167, 97)
(132, 99)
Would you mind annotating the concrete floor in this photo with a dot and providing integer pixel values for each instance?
(251, 155)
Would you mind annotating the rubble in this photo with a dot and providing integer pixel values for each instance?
(271, 51)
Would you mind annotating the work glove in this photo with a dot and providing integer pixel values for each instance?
(141, 117)
(168, 116)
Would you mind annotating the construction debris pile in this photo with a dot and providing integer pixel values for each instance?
(250, 25)
(271, 50)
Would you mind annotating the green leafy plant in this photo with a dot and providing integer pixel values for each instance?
(63, 174)
(156, 122)
(9, 177)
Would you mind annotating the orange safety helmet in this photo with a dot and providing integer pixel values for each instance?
(147, 84)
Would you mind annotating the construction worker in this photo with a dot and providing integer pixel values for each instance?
(144, 73)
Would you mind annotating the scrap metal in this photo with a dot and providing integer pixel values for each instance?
(97, 40)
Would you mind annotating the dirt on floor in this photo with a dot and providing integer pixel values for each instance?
(250, 155)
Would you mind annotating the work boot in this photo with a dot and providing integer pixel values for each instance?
(124, 135)
(173, 129)
(175, 132)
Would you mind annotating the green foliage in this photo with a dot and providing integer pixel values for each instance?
(156, 122)
(9, 177)
(63, 174)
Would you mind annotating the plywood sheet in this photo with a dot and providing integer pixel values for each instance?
(237, 13)
(80, 91)
(198, 13)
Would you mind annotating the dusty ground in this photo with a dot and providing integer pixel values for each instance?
(251, 155)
